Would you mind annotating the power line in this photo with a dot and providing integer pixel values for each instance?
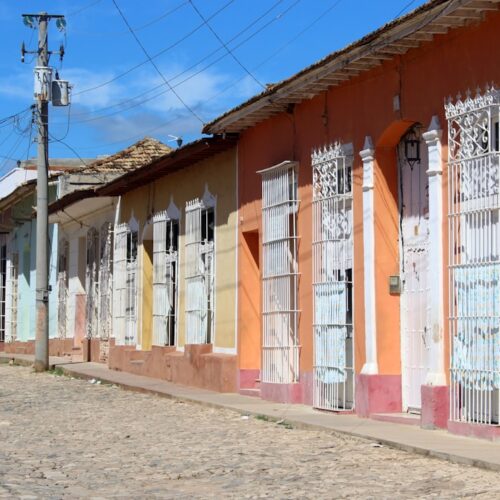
(85, 7)
(146, 53)
(140, 27)
(407, 6)
(133, 100)
(159, 18)
(224, 45)
(154, 56)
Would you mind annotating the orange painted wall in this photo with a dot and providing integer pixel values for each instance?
(423, 78)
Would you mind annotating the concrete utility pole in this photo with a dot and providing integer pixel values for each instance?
(42, 217)
(43, 92)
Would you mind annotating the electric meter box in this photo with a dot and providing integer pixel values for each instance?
(395, 287)
(60, 93)
(43, 83)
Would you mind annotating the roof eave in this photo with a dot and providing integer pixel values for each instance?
(315, 78)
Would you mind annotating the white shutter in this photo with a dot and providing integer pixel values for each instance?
(11, 298)
(62, 288)
(164, 280)
(120, 282)
(195, 288)
(105, 281)
(92, 283)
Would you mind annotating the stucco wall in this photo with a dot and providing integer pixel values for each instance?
(423, 78)
(75, 233)
(219, 175)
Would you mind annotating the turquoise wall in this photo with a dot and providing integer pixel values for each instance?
(24, 240)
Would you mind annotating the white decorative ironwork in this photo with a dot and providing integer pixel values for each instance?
(92, 283)
(474, 256)
(125, 280)
(332, 278)
(280, 345)
(165, 275)
(12, 296)
(105, 281)
(200, 269)
(62, 288)
(3, 289)
(414, 265)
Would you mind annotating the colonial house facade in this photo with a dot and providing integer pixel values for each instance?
(85, 248)
(174, 267)
(18, 272)
(368, 237)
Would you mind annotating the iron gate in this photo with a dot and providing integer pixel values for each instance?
(332, 278)
(474, 256)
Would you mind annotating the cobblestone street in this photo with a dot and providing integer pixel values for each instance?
(68, 438)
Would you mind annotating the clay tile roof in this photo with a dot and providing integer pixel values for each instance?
(137, 155)
(431, 19)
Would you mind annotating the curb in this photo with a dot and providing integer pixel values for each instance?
(297, 424)
(7, 360)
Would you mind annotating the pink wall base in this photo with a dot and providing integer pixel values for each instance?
(491, 432)
(298, 393)
(435, 407)
(378, 394)
(197, 366)
(248, 379)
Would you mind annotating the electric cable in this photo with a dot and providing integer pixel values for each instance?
(154, 56)
(85, 7)
(162, 76)
(142, 26)
(143, 101)
(407, 6)
(204, 58)
(229, 51)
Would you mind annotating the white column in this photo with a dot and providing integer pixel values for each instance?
(368, 157)
(436, 375)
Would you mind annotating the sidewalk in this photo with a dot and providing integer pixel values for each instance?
(409, 438)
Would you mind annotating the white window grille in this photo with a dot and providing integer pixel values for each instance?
(474, 256)
(332, 278)
(280, 346)
(3, 290)
(62, 287)
(165, 275)
(105, 281)
(12, 297)
(125, 279)
(92, 283)
(200, 269)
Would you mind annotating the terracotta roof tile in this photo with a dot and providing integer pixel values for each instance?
(137, 155)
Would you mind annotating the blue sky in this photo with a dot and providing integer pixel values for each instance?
(115, 105)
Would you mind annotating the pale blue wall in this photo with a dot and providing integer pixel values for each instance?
(25, 242)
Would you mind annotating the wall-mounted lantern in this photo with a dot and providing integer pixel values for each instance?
(412, 148)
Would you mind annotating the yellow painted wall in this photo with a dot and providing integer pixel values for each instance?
(219, 174)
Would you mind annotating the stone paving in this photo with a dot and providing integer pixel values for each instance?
(68, 438)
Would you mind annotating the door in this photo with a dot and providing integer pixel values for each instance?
(414, 245)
